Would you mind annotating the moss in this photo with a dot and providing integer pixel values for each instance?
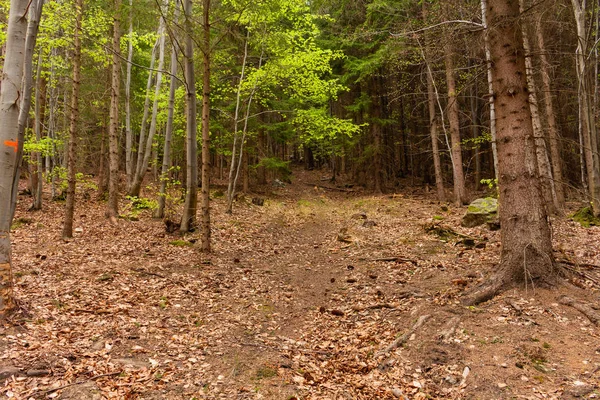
(265, 372)
(585, 217)
(181, 243)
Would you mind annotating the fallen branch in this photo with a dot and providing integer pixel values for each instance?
(390, 259)
(583, 275)
(583, 308)
(374, 307)
(402, 339)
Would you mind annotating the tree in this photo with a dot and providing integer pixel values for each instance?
(73, 120)
(11, 146)
(526, 256)
(113, 138)
(206, 51)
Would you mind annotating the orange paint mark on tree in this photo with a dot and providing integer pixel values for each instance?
(12, 143)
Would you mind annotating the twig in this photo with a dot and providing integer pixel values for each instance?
(93, 378)
(374, 307)
(390, 259)
(402, 339)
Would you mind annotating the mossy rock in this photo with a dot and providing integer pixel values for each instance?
(480, 211)
(585, 217)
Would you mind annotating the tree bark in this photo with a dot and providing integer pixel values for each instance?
(490, 78)
(112, 210)
(166, 163)
(551, 119)
(74, 118)
(11, 145)
(188, 219)
(206, 245)
(526, 256)
(128, 133)
(460, 194)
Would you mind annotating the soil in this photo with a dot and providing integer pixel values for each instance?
(299, 300)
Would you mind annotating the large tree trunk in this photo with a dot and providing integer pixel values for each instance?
(188, 219)
(74, 118)
(112, 211)
(11, 145)
(166, 162)
(551, 119)
(526, 256)
(433, 132)
(206, 245)
(460, 193)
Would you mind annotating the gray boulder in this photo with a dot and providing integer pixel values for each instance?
(481, 211)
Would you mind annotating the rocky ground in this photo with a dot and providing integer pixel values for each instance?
(320, 293)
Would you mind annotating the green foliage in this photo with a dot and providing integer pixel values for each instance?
(492, 184)
(275, 164)
(585, 217)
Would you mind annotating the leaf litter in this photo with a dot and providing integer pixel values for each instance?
(285, 309)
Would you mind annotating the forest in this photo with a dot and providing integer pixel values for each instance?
(291, 199)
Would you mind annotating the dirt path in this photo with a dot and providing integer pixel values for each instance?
(292, 304)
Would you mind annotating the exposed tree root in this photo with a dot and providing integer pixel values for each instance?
(584, 308)
(449, 329)
(402, 339)
(484, 292)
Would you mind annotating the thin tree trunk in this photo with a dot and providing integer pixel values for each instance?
(37, 156)
(141, 169)
(166, 163)
(137, 171)
(490, 77)
(10, 139)
(460, 195)
(586, 121)
(206, 245)
(70, 206)
(188, 219)
(475, 135)
(543, 161)
(128, 132)
(112, 210)
(551, 119)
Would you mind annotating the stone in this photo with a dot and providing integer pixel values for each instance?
(85, 391)
(480, 211)
(6, 371)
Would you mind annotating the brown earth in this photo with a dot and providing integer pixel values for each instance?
(296, 302)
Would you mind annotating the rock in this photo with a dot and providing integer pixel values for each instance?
(6, 371)
(480, 212)
(38, 372)
(398, 393)
(369, 224)
(85, 391)
(578, 390)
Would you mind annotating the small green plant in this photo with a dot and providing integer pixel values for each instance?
(585, 217)
(438, 217)
(492, 184)
(265, 372)
(279, 167)
(137, 205)
(181, 243)
(163, 302)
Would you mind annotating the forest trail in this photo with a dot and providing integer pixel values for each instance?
(298, 301)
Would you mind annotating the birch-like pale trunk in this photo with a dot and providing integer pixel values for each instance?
(553, 133)
(166, 162)
(543, 161)
(50, 156)
(586, 118)
(490, 78)
(188, 219)
(112, 211)
(11, 145)
(74, 118)
(142, 139)
(147, 151)
(128, 132)
(38, 187)
(206, 244)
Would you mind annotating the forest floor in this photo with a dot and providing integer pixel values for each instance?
(299, 300)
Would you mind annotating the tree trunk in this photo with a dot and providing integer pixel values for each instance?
(128, 133)
(40, 99)
(10, 141)
(551, 119)
(490, 78)
(547, 183)
(147, 152)
(586, 120)
(74, 118)
(433, 132)
(460, 195)
(206, 245)
(188, 219)
(166, 163)
(112, 210)
(526, 256)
